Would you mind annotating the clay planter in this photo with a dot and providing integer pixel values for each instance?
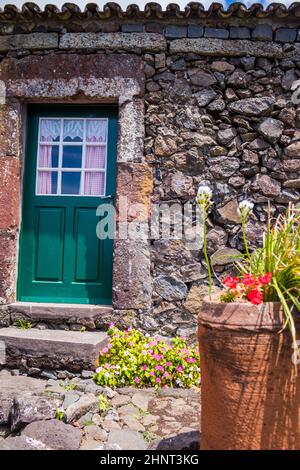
(250, 388)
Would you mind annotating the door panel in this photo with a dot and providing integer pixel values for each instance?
(49, 244)
(70, 168)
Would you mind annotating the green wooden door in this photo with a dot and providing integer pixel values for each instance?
(70, 168)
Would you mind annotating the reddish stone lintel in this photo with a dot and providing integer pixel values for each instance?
(70, 67)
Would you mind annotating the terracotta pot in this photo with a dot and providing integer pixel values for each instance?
(250, 386)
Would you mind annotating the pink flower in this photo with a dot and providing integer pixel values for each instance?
(151, 373)
(179, 369)
(131, 343)
(153, 343)
(158, 380)
(104, 350)
(107, 366)
(159, 338)
(182, 337)
(144, 352)
(159, 368)
(166, 375)
(111, 325)
(137, 380)
(190, 359)
(109, 345)
(168, 364)
(158, 357)
(144, 367)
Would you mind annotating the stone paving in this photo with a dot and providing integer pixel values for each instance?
(94, 417)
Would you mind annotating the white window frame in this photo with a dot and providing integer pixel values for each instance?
(60, 144)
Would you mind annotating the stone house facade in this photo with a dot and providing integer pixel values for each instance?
(202, 96)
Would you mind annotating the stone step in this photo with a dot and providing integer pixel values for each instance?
(50, 349)
(71, 316)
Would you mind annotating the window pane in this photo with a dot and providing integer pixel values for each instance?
(96, 130)
(95, 156)
(48, 157)
(50, 130)
(70, 182)
(73, 130)
(72, 156)
(94, 183)
(47, 182)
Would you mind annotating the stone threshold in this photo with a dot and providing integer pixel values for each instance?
(54, 314)
(51, 349)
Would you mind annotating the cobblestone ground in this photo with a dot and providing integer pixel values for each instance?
(93, 417)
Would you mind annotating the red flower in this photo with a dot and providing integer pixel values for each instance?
(255, 297)
(265, 279)
(249, 280)
(231, 282)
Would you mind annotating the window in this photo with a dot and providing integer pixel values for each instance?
(72, 157)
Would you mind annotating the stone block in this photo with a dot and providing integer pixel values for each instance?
(286, 35)
(52, 349)
(230, 48)
(132, 28)
(33, 41)
(218, 33)
(262, 32)
(131, 132)
(9, 192)
(239, 32)
(9, 130)
(113, 41)
(175, 31)
(195, 31)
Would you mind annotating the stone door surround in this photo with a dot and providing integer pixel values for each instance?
(76, 78)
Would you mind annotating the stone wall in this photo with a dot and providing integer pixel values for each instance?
(218, 110)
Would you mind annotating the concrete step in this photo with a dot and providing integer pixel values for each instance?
(50, 349)
(72, 316)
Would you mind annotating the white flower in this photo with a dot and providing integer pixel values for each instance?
(124, 368)
(117, 372)
(245, 208)
(147, 335)
(190, 376)
(126, 353)
(204, 195)
(99, 369)
(106, 374)
(123, 381)
(117, 366)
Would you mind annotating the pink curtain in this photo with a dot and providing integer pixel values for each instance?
(44, 185)
(95, 157)
(94, 183)
(50, 129)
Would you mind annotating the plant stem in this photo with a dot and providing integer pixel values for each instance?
(204, 217)
(245, 241)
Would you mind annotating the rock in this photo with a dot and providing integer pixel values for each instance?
(294, 184)
(239, 79)
(222, 66)
(164, 146)
(229, 212)
(223, 167)
(252, 106)
(95, 432)
(70, 398)
(266, 185)
(216, 238)
(141, 400)
(182, 87)
(13, 386)
(28, 408)
(120, 400)
(287, 115)
(127, 439)
(182, 441)
(293, 150)
(224, 256)
(250, 157)
(87, 374)
(258, 144)
(291, 165)
(205, 96)
(200, 78)
(91, 444)
(4, 430)
(170, 288)
(195, 298)
(216, 105)
(78, 409)
(54, 434)
(22, 443)
(288, 79)
(271, 129)
(179, 185)
(225, 136)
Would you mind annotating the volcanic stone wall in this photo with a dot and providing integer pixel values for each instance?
(219, 110)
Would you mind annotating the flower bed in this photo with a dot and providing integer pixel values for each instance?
(134, 358)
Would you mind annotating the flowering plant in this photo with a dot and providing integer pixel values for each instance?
(133, 358)
(270, 273)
